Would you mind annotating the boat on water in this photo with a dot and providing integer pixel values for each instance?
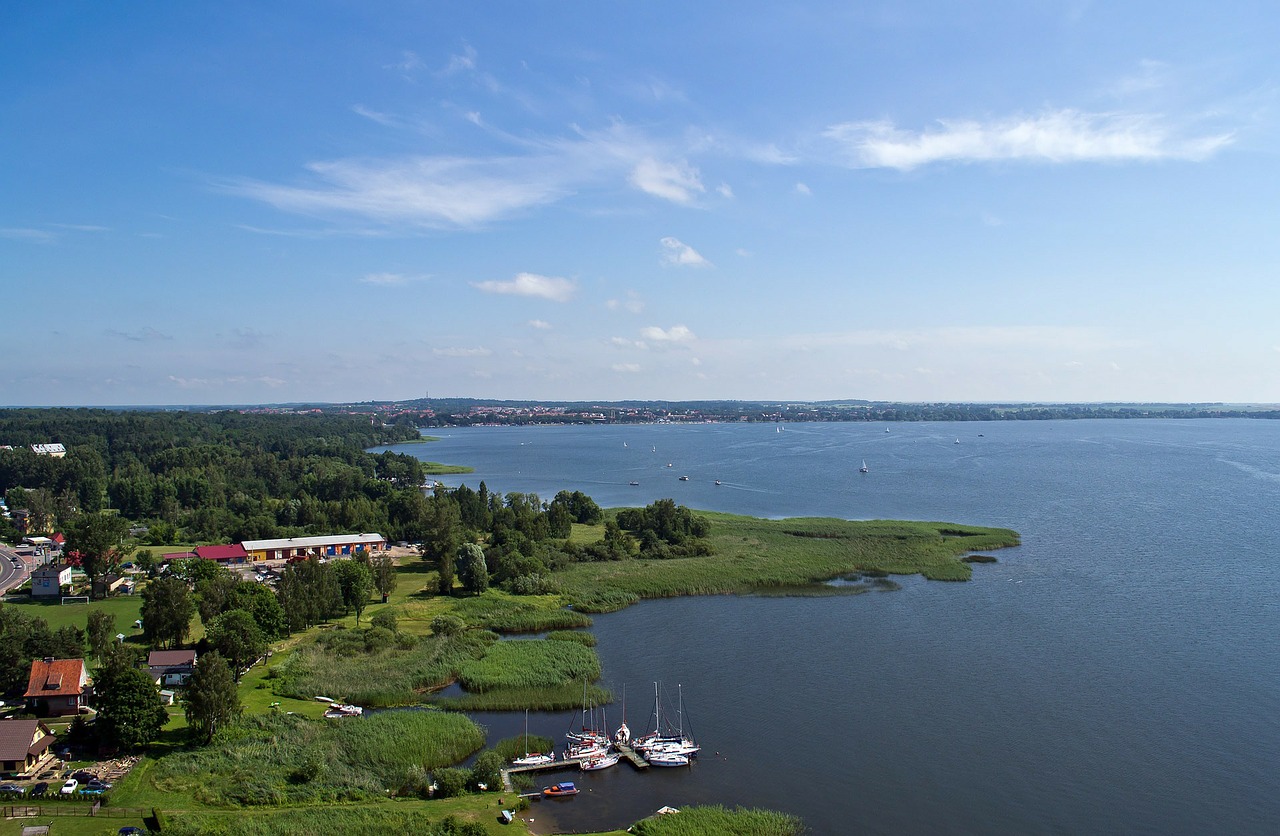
(560, 790)
(864, 468)
(684, 478)
(664, 740)
(666, 759)
(336, 710)
(531, 758)
(597, 763)
(718, 482)
(669, 464)
(633, 483)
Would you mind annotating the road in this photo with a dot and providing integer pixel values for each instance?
(13, 570)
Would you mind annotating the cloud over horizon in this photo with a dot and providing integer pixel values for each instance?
(554, 288)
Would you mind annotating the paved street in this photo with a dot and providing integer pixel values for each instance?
(13, 570)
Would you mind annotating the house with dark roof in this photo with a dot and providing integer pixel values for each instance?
(57, 687)
(171, 667)
(24, 747)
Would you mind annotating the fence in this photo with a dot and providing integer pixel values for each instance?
(97, 810)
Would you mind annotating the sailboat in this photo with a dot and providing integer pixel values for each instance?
(864, 468)
(666, 749)
(530, 759)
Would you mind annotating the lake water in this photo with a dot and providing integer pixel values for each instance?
(1116, 673)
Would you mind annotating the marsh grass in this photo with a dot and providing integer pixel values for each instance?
(562, 697)
(757, 555)
(585, 639)
(529, 664)
(504, 613)
(719, 821)
(283, 759)
(394, 676)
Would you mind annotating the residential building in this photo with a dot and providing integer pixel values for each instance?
(48, 580)
(57, 687)
(171, 667)
(55, 450)
(24, 747)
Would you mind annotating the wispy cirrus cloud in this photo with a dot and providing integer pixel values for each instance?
(39, 236)
(676, 253)
(677, 182)
(1055, 136)
(390, 279)
(461, 352)
(632, 304)
(145, 334)
(435, 192)
(555, 288)
(539, 324)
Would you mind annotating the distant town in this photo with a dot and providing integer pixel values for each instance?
(451, 412)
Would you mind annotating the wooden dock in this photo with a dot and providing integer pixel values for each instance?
(631, 755)
(563, 763)
(568, 763)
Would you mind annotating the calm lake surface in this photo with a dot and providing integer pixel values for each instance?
(1116, 673)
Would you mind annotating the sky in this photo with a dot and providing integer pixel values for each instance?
(1013, 200)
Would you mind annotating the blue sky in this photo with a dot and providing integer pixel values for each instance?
(325, 201)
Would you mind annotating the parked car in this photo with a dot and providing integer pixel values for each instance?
(88, 790)
(95, 784)
(83, 775)
(69, 787)
(16, 789)
(40, 789)
(130, 830)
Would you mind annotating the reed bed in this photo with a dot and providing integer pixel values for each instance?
(315, 821)
(505, 613)
(284, 760)
(529, 664)
(585, 639)
(393, 676)
(562, 697)
(719, 821)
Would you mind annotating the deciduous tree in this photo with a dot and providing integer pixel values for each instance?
(237, 637)
(130, 713)
(167, 609)
(211, 699)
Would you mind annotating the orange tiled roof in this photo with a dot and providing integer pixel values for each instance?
(59, 678)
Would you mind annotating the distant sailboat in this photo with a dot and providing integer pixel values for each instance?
(863, 469)
(779, 428)
(624, 444)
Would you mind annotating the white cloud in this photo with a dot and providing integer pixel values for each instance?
(725, 190)
(632, 304)
(531, 284)
(801, 188)
(419, 191)
(676, 182)
(1058, 136)
(461, 352)
(674, 334)
(540, 324)
(629, 368)
(680, 254)
(18, 234)
(389, 279)
(374, 116)
(623, 342)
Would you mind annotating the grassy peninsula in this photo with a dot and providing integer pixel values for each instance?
(752, 555)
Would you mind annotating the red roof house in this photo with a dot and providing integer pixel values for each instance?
(233, 553)
(57, 686)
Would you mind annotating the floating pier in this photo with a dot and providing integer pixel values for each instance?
(631, 755)
(626, 751)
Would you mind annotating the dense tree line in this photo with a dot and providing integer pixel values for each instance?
(220, 476)
(517, 541)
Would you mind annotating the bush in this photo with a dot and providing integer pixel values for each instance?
(451, 781)
(447, 625)
(386, 619)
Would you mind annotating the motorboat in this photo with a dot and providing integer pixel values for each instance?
(340, 710)
(533, 759)
(684, 478)
(560, 790)
(667, 759)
